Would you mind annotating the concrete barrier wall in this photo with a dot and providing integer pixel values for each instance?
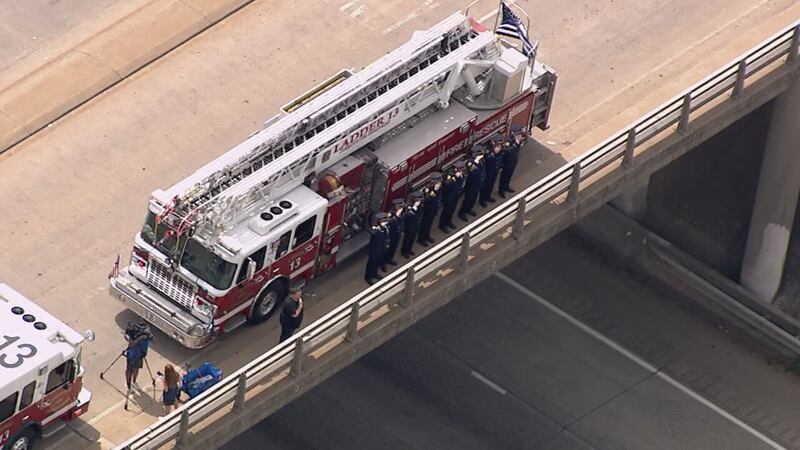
(55, 89)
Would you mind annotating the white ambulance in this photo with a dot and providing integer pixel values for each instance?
(41, 378)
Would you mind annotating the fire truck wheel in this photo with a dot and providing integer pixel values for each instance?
(267, 303)
(23, 440)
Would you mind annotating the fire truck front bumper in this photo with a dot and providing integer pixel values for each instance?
(160, 311)
(82, 406)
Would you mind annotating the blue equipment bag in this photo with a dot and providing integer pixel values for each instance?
(199, 379)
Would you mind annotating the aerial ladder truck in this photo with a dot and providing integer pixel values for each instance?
(221, 247)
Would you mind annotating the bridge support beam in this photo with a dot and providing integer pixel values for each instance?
(776, 199)
(633, 200)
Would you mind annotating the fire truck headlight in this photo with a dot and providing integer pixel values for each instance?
(205, 310)
(197, 330)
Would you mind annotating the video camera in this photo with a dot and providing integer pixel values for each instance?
(137, 329)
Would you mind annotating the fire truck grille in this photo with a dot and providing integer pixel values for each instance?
(170, 284)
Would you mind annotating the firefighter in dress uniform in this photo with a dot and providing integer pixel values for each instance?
(432, 199)
(510, 157)
(378, 245)
(473, 182)
(395, 227)
(411, 222)
(493, 158)
(451, 192)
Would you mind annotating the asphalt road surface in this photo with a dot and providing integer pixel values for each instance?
(73, 196)
(498, 368)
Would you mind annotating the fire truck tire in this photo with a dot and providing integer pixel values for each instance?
(24, 440)
(268, 302)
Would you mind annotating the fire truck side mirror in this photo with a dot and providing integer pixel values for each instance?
(251, 268)
(73, 372)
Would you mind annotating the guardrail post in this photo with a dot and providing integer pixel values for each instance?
(408, 293)
(297, 358)
(519, 220)
(352, 325)
(683, 125)
(575, 183)
(630, 146)
(241, 388)
(463, 257)
(183, 431)
(740, 74)
(793, 56)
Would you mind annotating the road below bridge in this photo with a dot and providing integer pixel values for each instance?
(624, 364)
(74, 195)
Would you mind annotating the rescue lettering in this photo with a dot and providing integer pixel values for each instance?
(490, 126)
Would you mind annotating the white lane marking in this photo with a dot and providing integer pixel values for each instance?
(358, 11)
(494, 13)
(430, 4)
(106, 412)
(106, 442)
(667, 62)
(347, 5)
(494, 386)
(595, 334)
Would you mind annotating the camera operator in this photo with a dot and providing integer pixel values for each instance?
(138, 337)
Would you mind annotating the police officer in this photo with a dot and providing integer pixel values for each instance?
(451, 192)
(510, 157)
(473, 182)
(432, 199)
(378, 245)
(493, 159)
(411, 222)
(395, 227)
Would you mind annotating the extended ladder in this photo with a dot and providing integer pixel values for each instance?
(424, 71)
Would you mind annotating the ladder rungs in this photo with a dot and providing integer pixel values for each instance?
(243, 151)
(321, 142)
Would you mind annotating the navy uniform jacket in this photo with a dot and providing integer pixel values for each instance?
(431, 201)
(452, 190)
(474, 180)
(491, 166)
(378, 242)
(395, 226)
(411, 220)
(394, 230)
(511, 156)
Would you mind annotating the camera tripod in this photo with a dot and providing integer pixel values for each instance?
(128, 390)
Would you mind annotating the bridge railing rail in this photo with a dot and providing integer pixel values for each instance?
(286, 359)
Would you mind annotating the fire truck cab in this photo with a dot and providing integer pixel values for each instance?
(219, 248)
(41, 377)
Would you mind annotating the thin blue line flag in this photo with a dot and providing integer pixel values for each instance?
(511, 26)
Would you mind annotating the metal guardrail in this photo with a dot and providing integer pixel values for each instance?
(343, 321)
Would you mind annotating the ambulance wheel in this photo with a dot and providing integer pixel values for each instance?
(268, 302)
(23, 440)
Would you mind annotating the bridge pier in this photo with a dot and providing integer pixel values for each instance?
(776, 199)
(633, 200)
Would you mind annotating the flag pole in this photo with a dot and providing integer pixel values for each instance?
(497, 16)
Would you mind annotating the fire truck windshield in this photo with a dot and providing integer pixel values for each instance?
(153, 234)
(209, 267)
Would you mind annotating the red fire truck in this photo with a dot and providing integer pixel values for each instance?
(41, 378)
(220, 247)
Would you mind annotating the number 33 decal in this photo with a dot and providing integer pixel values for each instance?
(20, 357)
